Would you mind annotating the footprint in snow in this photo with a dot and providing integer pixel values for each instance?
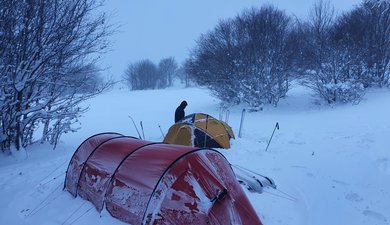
(353, 197)
(297, 142)
(309, 174)
(383, 165)
(365, 143)
(297, 139)
(340, 182)
(298, 167)
(374, 215)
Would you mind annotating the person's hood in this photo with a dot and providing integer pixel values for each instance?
(183, 104)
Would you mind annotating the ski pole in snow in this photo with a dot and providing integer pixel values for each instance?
(139, 135)
(142, 128)
(227, 116)
(224, 112)
(161, 131)
(242, 121)
(276, 126)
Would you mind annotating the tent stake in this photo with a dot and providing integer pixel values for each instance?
(276, 126)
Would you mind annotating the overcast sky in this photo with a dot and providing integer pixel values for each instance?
(155, 29)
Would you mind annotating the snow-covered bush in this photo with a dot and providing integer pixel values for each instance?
(341, 92)
(364, 33)
(348, 53)
(47, 54)
(245, 59)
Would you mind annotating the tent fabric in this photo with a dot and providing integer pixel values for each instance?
(142, 182)
(80, 157)
(200, 130)
(180, 134)
(97, 167)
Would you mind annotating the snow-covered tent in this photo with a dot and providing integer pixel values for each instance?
(200, 130)
(141, 182)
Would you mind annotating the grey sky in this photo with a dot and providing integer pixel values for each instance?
(152, 29)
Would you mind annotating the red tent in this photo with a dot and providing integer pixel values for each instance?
(141, 182)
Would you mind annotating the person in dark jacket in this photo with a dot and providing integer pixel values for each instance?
(179, 113)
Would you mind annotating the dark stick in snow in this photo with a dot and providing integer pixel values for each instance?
(142, 129)
(139, 135)
(276, 126)
(161, 131)
(241, 123)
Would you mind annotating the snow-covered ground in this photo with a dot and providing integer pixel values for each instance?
(331, 165)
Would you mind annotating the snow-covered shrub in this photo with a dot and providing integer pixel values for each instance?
(365, 33)
(245, 59)
(335, 82)
(48, 50)
(342, 92)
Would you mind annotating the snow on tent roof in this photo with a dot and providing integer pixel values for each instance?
(142, 182)
(200, 130)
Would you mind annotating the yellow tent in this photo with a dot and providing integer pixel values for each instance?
(200, 130)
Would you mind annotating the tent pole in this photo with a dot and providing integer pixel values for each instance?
(205, 136)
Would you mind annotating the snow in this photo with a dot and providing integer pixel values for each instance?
(331, 165)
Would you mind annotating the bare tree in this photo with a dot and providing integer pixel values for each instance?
(142, 75)
(183, 76)
(44, 45)
(369, 30)
(167, 68)
(326, 61)
(346, 54)
(211, 62)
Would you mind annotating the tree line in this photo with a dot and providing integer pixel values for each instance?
(253, 57)
(144, 74)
